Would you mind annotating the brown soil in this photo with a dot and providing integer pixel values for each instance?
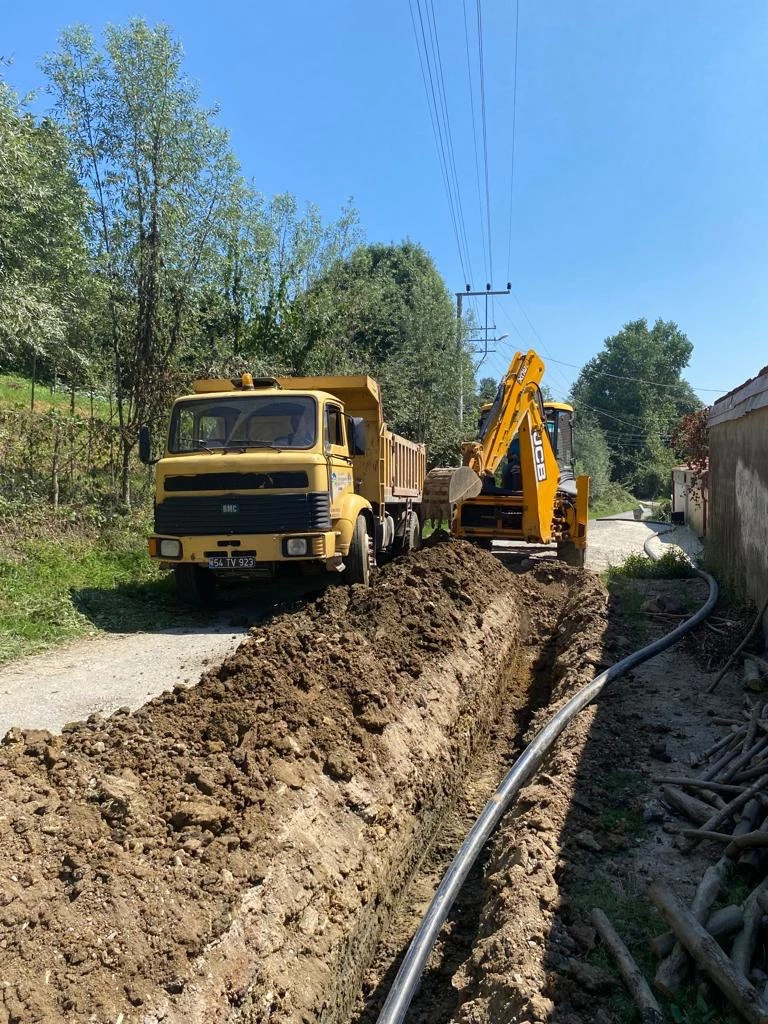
(562, 653)
(590, 831)
(235, 848)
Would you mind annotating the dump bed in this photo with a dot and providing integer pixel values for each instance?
(405, 466)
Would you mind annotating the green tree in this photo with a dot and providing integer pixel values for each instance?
(385, 310)
(159, 173)
(593, 457)
(43, 256)
(486, 390)
(635, 391)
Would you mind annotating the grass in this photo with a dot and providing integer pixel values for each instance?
(67, 584)
(17, 393)
(620, 792)
(672, 565)
(614, 499)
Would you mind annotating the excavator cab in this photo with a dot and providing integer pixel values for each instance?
(559, 420)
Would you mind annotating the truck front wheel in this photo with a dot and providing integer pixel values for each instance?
(358, 561)
(194, 584)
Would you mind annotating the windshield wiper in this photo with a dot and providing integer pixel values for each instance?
(204, 446)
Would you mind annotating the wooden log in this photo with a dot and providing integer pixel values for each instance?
(725, 813)
(752, 630)
(692, 808)
(650, 1012)
(742, 760)
(708, 955)
(744, 944)
(720, 923)
(753, 858)
(730, 739)
(750, 840)
(751, 773)
(749, 738)
(727, 788)
(672, 972)
(748, 819)
(721, 764)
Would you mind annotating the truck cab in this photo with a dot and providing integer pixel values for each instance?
(260, 475)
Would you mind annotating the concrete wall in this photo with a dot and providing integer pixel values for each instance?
(737, 535)
(689, 496)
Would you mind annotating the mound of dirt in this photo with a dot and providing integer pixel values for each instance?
(237, 844)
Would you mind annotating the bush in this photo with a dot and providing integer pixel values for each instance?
(673, 564)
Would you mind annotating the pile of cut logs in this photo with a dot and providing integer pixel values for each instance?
(728, 804)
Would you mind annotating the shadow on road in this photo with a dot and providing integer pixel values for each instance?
(155, 607)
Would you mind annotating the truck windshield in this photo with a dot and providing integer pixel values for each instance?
(243, 421)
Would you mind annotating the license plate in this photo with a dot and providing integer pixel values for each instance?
(236, 562)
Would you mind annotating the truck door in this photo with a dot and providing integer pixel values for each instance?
(336, 448)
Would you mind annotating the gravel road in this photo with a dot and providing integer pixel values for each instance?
(103, 673)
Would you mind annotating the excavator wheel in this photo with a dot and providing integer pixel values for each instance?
(444, 487)
(568, 552)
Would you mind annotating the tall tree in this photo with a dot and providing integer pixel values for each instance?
(386, 311)
(634, 390)
(159, 173)
(43, 257)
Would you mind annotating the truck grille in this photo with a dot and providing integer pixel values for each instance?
(237, 481)
(243, 513)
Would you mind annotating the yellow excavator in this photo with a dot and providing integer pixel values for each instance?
(534, 496)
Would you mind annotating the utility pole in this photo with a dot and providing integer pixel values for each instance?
(459, 334)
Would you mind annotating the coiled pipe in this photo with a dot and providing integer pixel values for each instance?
(407, 980)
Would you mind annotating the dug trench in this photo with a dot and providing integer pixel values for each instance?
(234, 851)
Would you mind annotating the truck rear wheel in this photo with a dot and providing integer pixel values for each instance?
(358, 561)
(411, 539)
(568, 552)
(194, 584)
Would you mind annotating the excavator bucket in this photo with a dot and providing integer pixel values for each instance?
(444, 487)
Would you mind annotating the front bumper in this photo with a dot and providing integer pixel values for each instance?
(264, 547)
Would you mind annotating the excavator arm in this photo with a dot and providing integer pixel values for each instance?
(542, 510)
(518, 401)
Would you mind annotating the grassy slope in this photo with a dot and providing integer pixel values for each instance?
(17, 392)
(61, 583)
(70, 573)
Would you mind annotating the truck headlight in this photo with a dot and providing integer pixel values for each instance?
(296, 546)
(170, 549)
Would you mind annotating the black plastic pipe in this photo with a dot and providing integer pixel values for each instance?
(407, 980)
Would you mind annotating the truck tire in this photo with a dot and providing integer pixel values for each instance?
(194, 584)
(357, 563)
(411, 539)
(568, 552)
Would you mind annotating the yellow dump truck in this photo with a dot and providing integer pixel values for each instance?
(259, 475)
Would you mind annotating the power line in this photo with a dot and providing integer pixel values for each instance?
(641, 380)
(474, 137)
(436, 128)
(485, 136)
(514, 119)
(432, 22)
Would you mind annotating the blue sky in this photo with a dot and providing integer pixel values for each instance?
(641, 184)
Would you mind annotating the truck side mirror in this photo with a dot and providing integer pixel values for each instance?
(145, 445)
(358, 435)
